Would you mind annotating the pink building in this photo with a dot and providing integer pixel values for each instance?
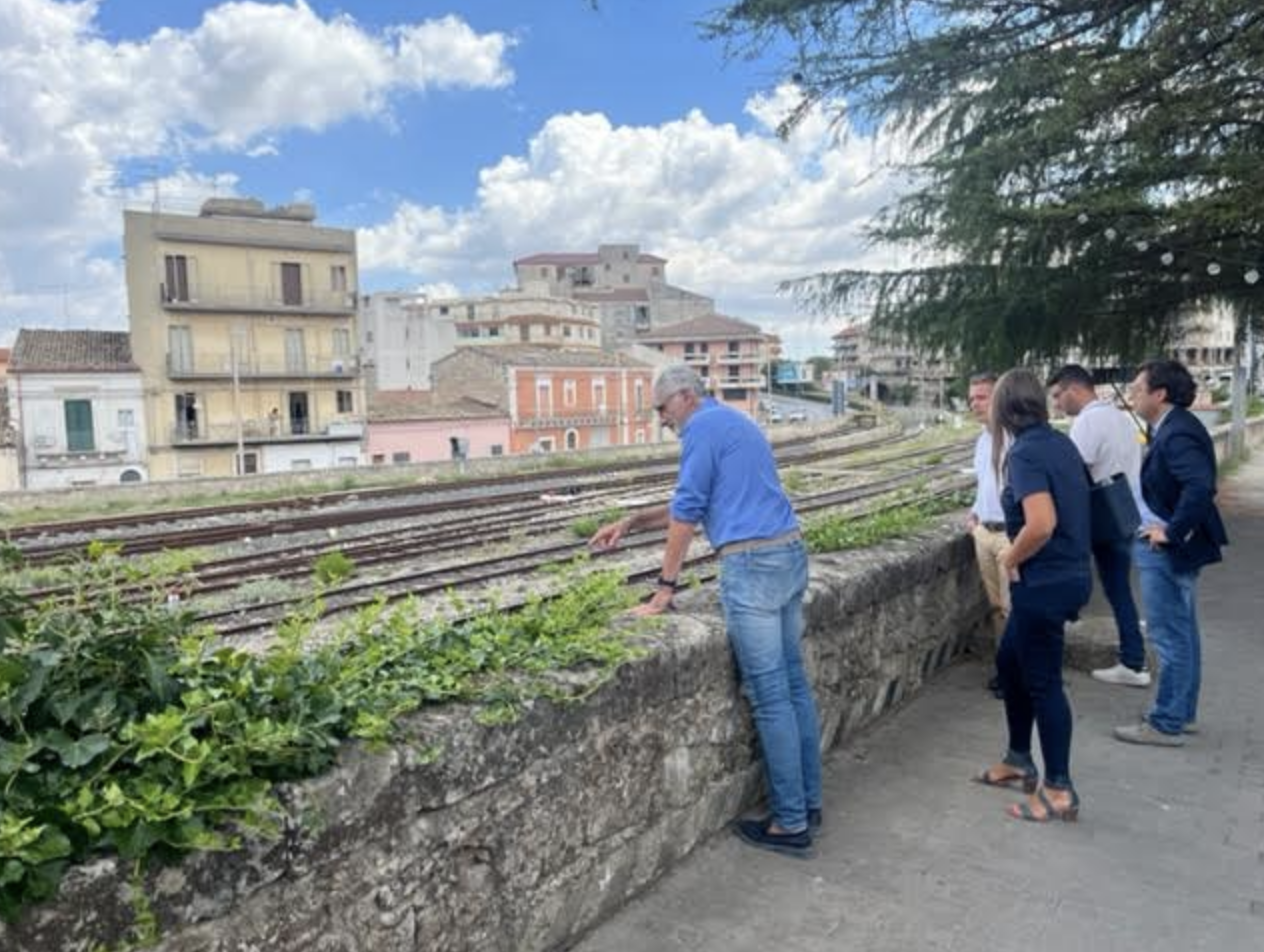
(412, 427)
(728, 353)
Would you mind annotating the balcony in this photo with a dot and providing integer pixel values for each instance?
(729, 359)
(248, 300)
(255, 431)
(565, 421)
(220, 367)
(697, 360)
(748, 381)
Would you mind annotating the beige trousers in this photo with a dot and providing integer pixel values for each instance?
(989, 546)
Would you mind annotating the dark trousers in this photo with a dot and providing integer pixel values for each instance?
(1029, 663)
(1114, 568)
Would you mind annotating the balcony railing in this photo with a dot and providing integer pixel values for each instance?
(757, 382)
(728, 358)
(255, 431)
(702, 359)
(564, 420)
(220, 366)
(262, 300)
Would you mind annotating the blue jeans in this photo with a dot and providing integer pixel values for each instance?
(1170, 600)
(1114, 566)
(762, 594)
(1029, 665)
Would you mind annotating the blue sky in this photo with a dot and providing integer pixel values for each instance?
(453, 137)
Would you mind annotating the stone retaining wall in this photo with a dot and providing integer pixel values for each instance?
(521, 837)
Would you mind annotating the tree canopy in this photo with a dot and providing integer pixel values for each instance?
(1085, 170)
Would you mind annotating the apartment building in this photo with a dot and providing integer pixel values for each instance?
(243, 325)
(628, 288)
(400, 339)
(883, 369)
(78, 406)
(729, 354)
(555, 399)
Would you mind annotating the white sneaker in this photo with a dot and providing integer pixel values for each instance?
(1121, 674)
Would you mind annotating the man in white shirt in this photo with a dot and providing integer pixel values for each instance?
(1110, 443)
(986, 523)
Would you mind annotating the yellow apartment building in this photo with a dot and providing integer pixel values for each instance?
(242, 322)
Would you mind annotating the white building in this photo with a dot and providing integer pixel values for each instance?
(78, 402)
(400, 341)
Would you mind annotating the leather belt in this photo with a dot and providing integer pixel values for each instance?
(993, 526)
(729, 548)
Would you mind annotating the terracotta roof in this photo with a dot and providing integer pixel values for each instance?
(709, 326)
(614, 294)
(396, 406)
(571, 258)
(526, 355)
(42, 351)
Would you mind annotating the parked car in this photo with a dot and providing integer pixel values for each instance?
(798, 416)
(774, 416)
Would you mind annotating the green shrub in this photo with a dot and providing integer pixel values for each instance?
(332, 567)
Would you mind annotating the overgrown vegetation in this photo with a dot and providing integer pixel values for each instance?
(837, 532)
(332, 567)
(585, 526)
(126, 728)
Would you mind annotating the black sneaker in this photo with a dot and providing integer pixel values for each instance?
(755, 832)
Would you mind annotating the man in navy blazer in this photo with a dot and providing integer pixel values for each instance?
(1178, 483)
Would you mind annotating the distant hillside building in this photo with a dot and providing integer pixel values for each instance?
(628, 288)
(555, 399)
(79, 408)
(243, 325)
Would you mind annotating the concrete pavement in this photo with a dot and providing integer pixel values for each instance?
(1168, 853)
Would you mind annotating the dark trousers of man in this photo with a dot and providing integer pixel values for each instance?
(1114, 568)
(1029, 662)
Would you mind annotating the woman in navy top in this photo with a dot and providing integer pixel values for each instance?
(1045, 498)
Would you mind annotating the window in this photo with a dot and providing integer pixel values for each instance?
(469, 312)
(568, 393)
(572, 440)
(79, 426)
(180, 349)
(599, 395)
(493, 330)
(295, 351)
(639, 435)
(300, 464)
(342, 342)
(400, 458)
(176, 268)
(378, 459)
(126, 419)
(248, 464)
(443, 310)
(544, 397)
(345, 403)
(337, 277)
(291, 283)
(545, 444)
(497, 449)
(640, 396)
(186, 417)
(567, 331)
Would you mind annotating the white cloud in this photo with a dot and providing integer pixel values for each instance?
(734, 212)
(75, 108)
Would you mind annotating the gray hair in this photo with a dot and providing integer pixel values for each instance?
(676, 378)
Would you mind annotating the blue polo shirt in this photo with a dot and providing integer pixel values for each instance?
(1044, 460)
(728, 478)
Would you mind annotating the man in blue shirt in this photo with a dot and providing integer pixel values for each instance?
(728, 483)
